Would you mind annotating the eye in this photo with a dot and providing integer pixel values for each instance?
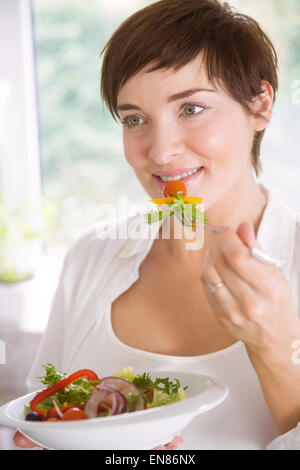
(190, 108)
(131, 121)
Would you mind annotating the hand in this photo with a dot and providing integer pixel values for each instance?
(177, 441)
(255, 304)
(21, 441)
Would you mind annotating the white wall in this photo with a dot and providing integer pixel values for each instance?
(19, 143)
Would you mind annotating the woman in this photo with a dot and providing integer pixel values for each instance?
(199, 96)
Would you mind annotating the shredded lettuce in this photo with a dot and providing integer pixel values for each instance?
(161, 398)
(165, 391)
(144, 383)
(51, 376)
(132, 400)
(125, 373)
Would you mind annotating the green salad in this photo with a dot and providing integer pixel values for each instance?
(84, 395)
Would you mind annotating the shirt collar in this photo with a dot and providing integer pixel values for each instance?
(276, 234)
(277, 230)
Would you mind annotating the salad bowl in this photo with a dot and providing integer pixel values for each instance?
(143, 429)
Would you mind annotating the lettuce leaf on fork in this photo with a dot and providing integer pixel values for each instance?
(177, 207)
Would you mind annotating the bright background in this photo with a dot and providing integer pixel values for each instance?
(56, 138)
(82, 158)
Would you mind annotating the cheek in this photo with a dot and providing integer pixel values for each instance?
(133, 152)
(223, 140)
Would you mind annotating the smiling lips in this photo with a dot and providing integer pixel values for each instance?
(177, 174)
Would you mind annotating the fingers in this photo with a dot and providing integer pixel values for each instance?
(246, 233)
(221, 300)
(247, 282)
(241, 291)
(229, 247)
(177, 441)
(174, 444)
(21, 441)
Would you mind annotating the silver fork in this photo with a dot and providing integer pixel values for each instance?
(187, 221)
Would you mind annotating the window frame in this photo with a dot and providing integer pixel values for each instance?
(20, 163)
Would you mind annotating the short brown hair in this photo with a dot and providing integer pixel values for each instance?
(237, 53)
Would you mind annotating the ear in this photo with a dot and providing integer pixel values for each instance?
(263, 104)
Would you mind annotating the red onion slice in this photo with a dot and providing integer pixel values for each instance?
(110, 395)
(124, 387)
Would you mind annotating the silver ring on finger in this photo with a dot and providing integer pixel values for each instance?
(213, 287)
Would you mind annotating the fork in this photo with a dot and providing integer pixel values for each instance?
(258, 254)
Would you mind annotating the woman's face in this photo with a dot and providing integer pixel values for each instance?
(163, 132)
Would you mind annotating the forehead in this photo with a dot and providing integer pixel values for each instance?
(163, 82)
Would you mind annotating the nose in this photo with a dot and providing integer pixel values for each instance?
(166, 144)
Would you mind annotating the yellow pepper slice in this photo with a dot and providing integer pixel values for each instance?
(191, 199)
(163, 200)
(186, 199)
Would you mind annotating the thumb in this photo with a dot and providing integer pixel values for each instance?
(247, 234)
(21, 441)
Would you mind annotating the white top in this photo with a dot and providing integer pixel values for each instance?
(101, 265)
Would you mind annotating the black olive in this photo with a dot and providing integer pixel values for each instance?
(33, 416)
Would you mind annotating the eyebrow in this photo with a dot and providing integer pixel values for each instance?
(177, 96)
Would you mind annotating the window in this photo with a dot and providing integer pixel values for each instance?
(81, 146)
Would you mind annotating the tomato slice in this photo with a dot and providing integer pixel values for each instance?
(150, 393)
(66, 407)
(172, 188)
(52, 413)
(73, 413)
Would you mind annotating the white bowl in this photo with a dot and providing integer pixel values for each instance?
(143, 429)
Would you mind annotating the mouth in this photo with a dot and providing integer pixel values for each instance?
(185, 177)
(177, 175)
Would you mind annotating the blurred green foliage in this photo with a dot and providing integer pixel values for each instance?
(281, 21)
(69, 36)
(81, 145)
(19, 227)
(288, 15)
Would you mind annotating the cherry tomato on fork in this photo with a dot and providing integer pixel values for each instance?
(171, 188)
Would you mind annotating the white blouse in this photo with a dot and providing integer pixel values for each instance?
(101, 265)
